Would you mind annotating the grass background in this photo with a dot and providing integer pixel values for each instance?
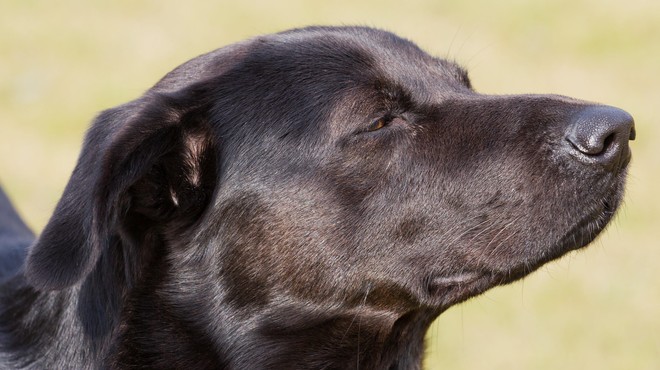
(63, 61)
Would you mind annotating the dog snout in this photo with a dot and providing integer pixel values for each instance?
(600, 135)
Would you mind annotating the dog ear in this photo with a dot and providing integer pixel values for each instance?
(147, 164)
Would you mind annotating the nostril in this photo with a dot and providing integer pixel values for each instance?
(590, 147)
(607, 143)
(591, 144)
(600, 134)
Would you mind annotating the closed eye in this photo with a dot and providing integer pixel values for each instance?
(385, 123)
(379, 123)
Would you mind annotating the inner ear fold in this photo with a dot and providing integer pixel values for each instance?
(177, 186)
(163, 181)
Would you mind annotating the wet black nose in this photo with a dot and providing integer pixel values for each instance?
(600, 134)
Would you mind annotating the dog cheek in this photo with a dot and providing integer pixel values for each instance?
(262, 238)
(241, 265)
(408, 230)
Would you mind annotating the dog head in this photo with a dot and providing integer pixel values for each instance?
(339, 167)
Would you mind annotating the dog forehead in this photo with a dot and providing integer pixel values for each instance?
(392, 55)
(369, 58)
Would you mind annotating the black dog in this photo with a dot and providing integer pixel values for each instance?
(306, 200)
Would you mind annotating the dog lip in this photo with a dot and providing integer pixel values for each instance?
(585, 230)
(579, 235)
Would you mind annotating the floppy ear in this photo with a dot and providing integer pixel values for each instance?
(150, 163)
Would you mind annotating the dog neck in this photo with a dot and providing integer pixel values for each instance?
(178, 319)
(292, 337)
(100, 324)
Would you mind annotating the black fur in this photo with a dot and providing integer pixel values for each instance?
(306, 200)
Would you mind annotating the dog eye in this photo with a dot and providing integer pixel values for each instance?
(379, 123)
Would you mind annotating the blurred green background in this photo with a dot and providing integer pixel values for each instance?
(63, 61)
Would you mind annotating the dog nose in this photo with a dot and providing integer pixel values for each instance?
(600, 134)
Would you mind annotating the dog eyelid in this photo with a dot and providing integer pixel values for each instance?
(384, 121)
(379, 123)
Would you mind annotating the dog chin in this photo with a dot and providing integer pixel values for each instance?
(447, 290)
(586, 229)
